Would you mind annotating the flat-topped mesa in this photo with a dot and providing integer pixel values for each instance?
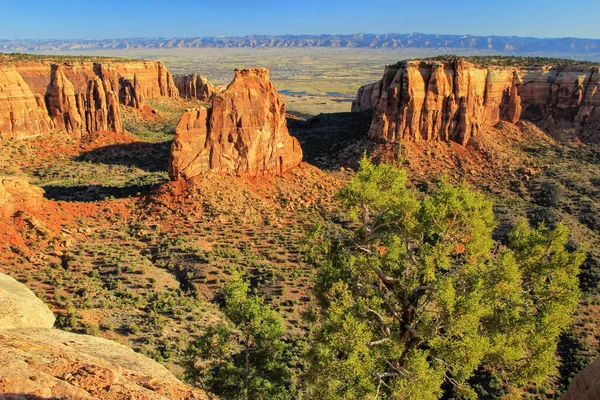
(244, 132)
(195, 87)
(78, 97)
(453, 101)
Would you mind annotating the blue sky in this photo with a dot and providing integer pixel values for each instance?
(84, 19)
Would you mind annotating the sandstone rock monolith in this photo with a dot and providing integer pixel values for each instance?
(243, 132)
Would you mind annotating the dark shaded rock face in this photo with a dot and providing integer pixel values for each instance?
(432, 100)
(244, 132)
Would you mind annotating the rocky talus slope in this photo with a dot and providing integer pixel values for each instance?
(39, 362)
(453, 101)
(79, 97)
(244, 132)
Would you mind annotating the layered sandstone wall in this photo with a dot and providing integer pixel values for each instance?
(21, 112)
(80, 97)
(431, 100)
(195, 87)
(244, 132)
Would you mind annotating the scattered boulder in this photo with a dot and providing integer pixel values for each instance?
(244, 132)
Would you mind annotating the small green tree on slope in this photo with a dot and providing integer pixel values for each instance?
(248, 362)
(421, 296)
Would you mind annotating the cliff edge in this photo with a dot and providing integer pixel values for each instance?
(455, 100)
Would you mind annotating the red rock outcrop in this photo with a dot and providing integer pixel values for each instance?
(16, 194)
(195, 87)
(80, 97)
(244, 132)
(21, 112)
(586, 384)
(433, 100)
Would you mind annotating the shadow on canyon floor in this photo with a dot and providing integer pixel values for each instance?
(331, 141)
(113, 171)
(89, 193)
(150, 157)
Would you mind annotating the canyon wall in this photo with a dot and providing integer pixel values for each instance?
(195, 87)
(452, 101)
(244, 132)
(78, 97)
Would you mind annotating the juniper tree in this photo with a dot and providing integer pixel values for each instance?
(247, 359)
(419, 296)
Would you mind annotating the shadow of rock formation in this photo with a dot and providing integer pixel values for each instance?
(331, 141)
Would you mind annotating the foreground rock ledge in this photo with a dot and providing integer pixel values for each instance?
(20, 308)
(244, 132)
(38, 362)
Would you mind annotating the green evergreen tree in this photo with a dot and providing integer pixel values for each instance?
(249, 361)
(420, 296)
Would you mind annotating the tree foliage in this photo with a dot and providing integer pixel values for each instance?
(248, 362)
(419, 296)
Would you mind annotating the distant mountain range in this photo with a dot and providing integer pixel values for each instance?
(512, 44)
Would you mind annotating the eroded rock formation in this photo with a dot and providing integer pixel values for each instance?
(586, 384)
(195, 87)
(80, 97)
(41, 362)
(16, 194)
(433, 100)
(21, 112)
(244, 132)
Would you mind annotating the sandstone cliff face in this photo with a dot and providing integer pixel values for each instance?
(16, 194)
(195, 87)
(453, 101)
(77, 97)
(244, 132)
(21, 112)
(586, 384)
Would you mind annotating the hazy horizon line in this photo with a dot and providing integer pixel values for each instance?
(297, 35)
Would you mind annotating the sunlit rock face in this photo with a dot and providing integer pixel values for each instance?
(79, 98)
(453, 101)
(243, 132)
